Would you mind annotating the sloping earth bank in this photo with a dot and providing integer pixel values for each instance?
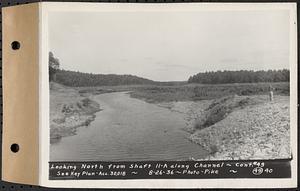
(239, 127)
(68, 111)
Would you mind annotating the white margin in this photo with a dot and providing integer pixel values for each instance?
(47, 7)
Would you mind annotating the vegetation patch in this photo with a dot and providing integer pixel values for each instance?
(241, 76)
(198, 92)
(220, 108)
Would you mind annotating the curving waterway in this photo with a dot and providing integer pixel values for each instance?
(128, 129)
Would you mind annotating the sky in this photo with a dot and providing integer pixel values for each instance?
(169, 46)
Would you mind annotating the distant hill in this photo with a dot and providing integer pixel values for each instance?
(79, 79)
(241, 76)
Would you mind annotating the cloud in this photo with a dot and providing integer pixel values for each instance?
(123, 59)
(229, 60)
(175, 66)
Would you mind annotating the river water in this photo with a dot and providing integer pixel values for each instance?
(128, 129)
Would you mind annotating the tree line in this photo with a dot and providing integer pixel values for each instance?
(241, 76)
(80, 79)
(53, 66)
(77, 79)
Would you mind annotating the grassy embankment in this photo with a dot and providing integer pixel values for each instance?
(69, 110)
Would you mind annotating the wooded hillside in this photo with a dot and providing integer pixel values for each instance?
(241, 76)
(79, 79)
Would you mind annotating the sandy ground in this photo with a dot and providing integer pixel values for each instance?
(256, 131)
(68, 111)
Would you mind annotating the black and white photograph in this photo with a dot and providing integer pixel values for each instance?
(163, 85)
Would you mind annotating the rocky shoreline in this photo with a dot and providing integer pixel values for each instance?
(259, 129)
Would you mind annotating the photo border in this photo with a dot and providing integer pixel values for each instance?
(175, 183)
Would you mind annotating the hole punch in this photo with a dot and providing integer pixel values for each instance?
(14, 148)
(15, 45)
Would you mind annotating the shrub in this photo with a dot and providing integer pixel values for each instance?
(79, 105)
(217, 113)
(86, 102)
(220, 108)
(213, 149)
